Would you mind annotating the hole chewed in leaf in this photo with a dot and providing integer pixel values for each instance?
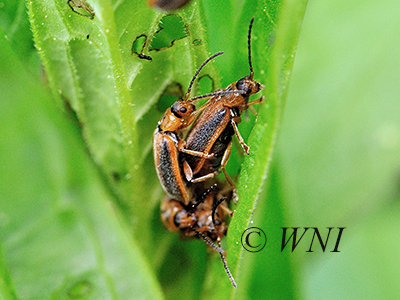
(205, 84)
(172, 93)
(172, 28)
(138, 47)
(81, 8)
(196, 42)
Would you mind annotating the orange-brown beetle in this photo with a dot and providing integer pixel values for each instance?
(212, 132)
(167, 143)
(205, 218)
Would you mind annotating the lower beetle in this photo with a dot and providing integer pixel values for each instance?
(205, 217)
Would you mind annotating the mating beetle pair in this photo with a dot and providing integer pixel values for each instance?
(184, 167)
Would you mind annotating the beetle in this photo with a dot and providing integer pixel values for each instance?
(168, 144)
(205, 217)
(213, 130)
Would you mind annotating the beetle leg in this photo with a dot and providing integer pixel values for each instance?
(181, 148)
(196, 153)
(226, 190)
(224, 161)
(248, 106)
(187, 170)
(205, 177)
(227, 210)
(253, 111)
(241, 141)
(261, 99)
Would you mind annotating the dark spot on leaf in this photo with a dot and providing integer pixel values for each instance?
(116, 176)
(168, 5)
(138, 47)
(196, 42)
(80, 290)
(143, 56)
(172, 28)
(172, 93)
(81, 8)
(87, 36)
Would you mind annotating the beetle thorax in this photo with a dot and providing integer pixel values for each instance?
(170, 122)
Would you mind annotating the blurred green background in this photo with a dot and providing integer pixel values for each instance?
(338, 155)
(335, 164)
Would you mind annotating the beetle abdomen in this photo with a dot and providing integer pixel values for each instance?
(167, 166)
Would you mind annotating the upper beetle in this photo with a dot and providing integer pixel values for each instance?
(212, 132)
(168, 144)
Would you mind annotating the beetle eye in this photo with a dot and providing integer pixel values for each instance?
(241, 85)
(177, 220)
(175, 108)
(183, 110)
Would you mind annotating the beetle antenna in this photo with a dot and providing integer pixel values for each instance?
(250, 63)
(228, 271)
(207, 240)
(198, 71)
(204, 196)
(249, 47)
(217, 94)
(219, 250)
(215, 206)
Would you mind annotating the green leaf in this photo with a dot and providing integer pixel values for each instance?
(279, 37)
(6, 288)
(98, 69)
(366, 267)
(338, 152)
(60, 236)
(71, 228)
(90, 65)
(16, 27)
